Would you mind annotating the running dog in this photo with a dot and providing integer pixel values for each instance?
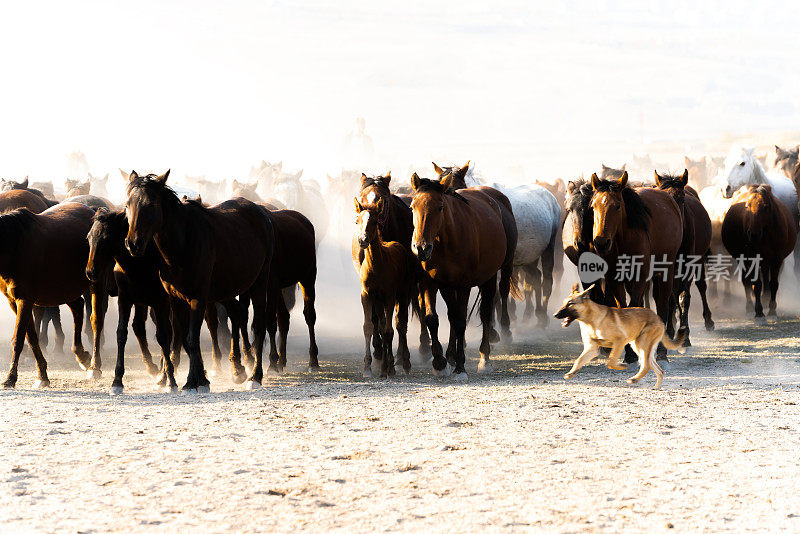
(613, 328)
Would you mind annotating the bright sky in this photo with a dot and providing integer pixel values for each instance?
(214, 87)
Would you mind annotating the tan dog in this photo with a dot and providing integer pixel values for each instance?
(602, 326)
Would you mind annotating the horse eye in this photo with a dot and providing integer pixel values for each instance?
(741, 164)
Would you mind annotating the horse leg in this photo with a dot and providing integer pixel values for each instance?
(439, 363)
(487, 291)
(83, 357)
(87, 302)
(759, 309)
(212, 321)
(22, 327)
(233, 309)
(387, 338)
(261, 314)
(449, 296)
(505, 287)
(527, 291)
(272, 327)
(38, 315)
(196, 379)
(417, 304)
(401, 325)
(244, 308)
(140, 331)
(663, 296)
(462, 305)
(774, 274)
(796, 255)
(124, 306)
(684, 302)
(637, 290)
(99, 306)
(53, 315)
(310, 315)
(748, 297)
(701, 287)
(548, 260)
(164, 333)
(223, 333)
(283, 330)
(178, 314)
(369, 328)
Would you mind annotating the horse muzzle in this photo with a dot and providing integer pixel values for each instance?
(423, 251)
(90, 274)
(602, 244)
(135, 247)
(727, 192)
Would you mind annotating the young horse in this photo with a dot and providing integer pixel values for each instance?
(645, 224)
(137, 284)
(463, 239)
(696, 242)
(387, 280)
(760, 225)
(42, 263)
(210, 254)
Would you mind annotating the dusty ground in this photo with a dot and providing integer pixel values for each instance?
(716, 449)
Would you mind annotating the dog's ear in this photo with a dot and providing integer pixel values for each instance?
(576, 288)
(585, 293)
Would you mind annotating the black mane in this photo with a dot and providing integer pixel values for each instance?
(426, 184)
(636, 210)
(150, 185)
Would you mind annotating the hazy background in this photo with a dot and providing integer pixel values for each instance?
(203, 87)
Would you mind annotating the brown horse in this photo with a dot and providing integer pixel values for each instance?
(645, 224)
(10, 185)
(16, 195)
(386, 272)
(759, 225)
(42, 263)
(462, 240)
(397, 225)
(696, 242)
(210, 254)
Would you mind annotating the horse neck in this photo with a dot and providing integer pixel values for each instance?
(171, 237)
(759, 174)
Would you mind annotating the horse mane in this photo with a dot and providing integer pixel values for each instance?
(149, 184)
(426, 184)
(580, 198)
(377, 181)
(637, 212)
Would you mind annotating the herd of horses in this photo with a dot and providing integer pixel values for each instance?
(170, 256)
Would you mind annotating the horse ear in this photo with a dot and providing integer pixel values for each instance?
(415, 181)
(299, 174)
(105, 178)
(437, 168)
(571, 187)
(25, 182)
(163, 178)
(125, 175)
(559, 185)
(364, 177)
(658, 178)
(623, 166)
(357, 205)
(685, 177)
(624, 180)
(235, 183)
(465, 168)
(595, 181)
(446, 181)
(388, 177)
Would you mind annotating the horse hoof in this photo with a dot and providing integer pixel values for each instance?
(485, 368)
(40, 384)
(494, 337)
(633, 380)
(443, 373)
(710, 326)
(204, 389)
(313, 369)
(239, 377)
(367, 373)
(168, 389)
(273, 371)
(9, 385)
(153, 370)
(115, 390)
(760, 321)
(424, 348)
(461, 377)
(507, 338)
(190, 391)
(93, 374)
(252, 385)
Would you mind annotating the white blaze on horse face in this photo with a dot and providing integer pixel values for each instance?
(371, 197)
(363, 222)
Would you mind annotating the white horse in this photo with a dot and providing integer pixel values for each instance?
(305, 197)
(743, 169)
(538, 215)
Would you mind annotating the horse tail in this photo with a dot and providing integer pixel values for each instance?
(474, 305)
(514, 290)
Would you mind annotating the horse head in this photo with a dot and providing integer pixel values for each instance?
(145, 209)
(428, 208)
(289, 189)
(372, 208)
(741, 169)
(577, 235)
(786, 159)
(98, 185)
(698, 169)
(10, 185)
(105, 238)
(76, 188)
(609, 211)
(673, 184)
(459, 174)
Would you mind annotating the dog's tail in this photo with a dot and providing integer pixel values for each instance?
(677, 343)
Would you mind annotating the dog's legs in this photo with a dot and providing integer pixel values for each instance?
(613, 358)
(646, 350)
(589, 353)
(657, 369)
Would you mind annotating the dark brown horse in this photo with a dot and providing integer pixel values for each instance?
(210, 254)
(645, 224)
(759, 225)
(387, 280)
(10, 185)
(137, 286)
(696, 243)
(463, 240)
(43, 263)
(16, 195)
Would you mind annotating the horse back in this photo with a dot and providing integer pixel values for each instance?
(506, 212)
(22, 198)
(295, 256)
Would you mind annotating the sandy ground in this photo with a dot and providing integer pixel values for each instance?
(520, 450)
